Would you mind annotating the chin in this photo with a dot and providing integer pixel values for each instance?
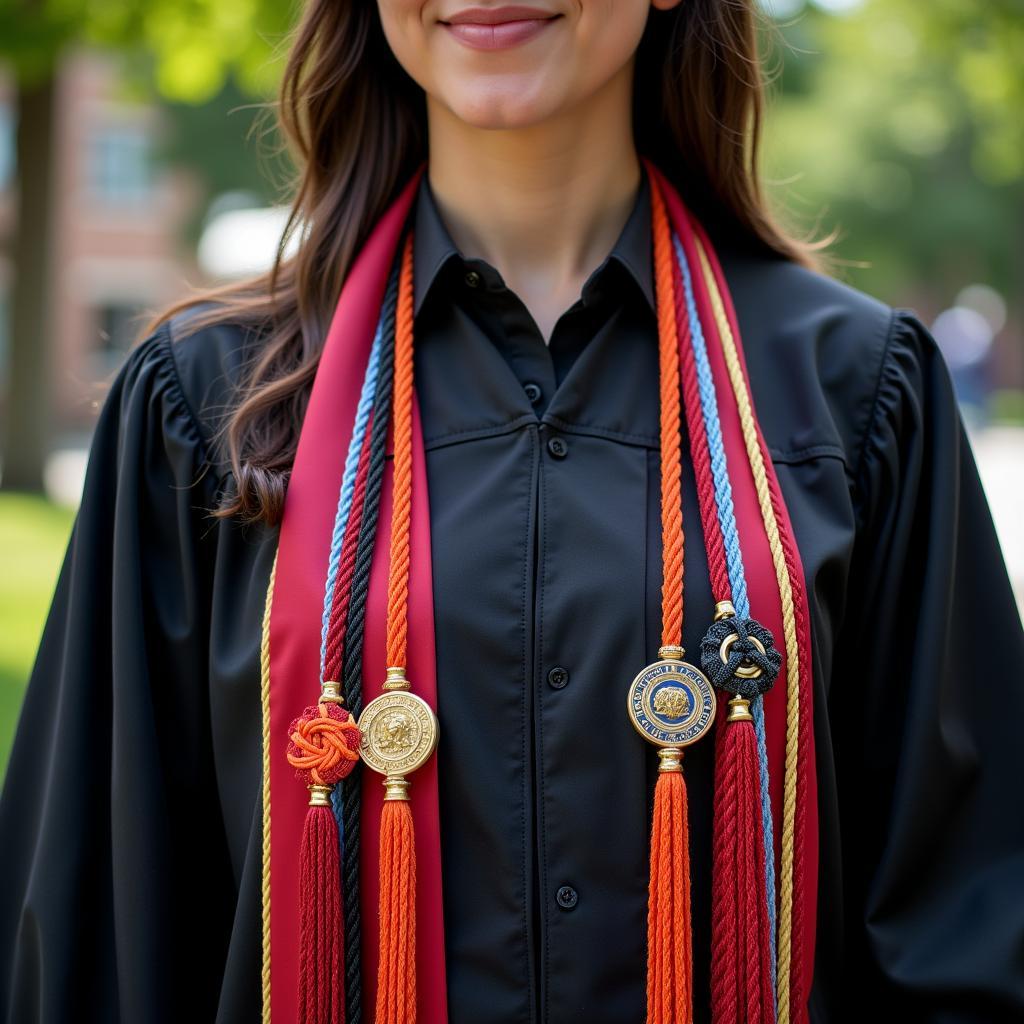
(505, 108)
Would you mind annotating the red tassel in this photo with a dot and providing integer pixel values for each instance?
(741, 986)
(396, 979)
(669, 960)
(323, 748)
(321, 935)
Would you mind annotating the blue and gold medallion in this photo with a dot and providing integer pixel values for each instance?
(671, 703)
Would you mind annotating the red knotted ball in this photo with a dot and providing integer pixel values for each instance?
(323, 744)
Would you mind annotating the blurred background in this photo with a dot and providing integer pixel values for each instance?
(135, 164)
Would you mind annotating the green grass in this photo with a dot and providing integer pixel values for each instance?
(33, 536)
(1008, 407)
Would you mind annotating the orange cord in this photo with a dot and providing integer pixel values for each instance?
(396, 978)
(671, 466)
(669, 952)
(398, 577)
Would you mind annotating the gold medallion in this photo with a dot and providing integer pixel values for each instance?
(398, 732)
(671, 703)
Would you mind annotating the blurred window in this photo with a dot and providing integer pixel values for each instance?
(119, 166)
(6, 145)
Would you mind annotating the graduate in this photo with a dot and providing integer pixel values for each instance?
(547, 596)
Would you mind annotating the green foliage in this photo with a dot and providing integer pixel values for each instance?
(210, 61)
(193, 43)
(34, 534)
(896, 122)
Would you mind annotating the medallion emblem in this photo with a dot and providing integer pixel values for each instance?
(398, 732)
(671, 703)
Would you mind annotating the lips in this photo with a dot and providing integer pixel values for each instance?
(494, 28)
(498, 15)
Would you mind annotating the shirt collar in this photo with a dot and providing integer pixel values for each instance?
(433, 245)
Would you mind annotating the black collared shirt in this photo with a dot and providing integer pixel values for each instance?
(473, 294)
(130, 821)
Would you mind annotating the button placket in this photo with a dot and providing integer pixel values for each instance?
(558, 677)
(566, 897)
(558, 447)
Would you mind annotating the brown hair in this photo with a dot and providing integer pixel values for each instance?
(356, 123)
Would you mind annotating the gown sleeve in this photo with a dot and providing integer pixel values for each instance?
(927, 708)
(112, 859)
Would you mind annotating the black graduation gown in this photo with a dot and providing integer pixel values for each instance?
(130, 820)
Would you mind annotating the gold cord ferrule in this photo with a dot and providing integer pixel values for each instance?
(395, 679)
(396, 787)
(739, 710)
(319, 796)
(670, 759)
(723, 609)
(331, 692)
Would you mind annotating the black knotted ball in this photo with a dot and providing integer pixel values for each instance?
(746, 669)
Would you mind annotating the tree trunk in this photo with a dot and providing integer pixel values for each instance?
(26, 434)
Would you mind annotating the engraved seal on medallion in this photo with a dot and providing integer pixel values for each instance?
(394, 733)
(671, 703)
(398, 732)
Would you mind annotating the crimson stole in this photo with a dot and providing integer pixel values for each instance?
(296, 605)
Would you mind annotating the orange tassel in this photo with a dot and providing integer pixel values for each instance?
(669, 961)
(396, 979)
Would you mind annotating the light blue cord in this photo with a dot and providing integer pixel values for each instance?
(734, 563)
(348, 480)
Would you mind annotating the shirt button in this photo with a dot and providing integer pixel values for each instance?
(558, 447)
(472, 278)
(566, 897)
(533, 391)
(558, 677)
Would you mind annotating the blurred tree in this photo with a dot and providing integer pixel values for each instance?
(224, 142)
(189, 46)
(896, 120)
(901, 122)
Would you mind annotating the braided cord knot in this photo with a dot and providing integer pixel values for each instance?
(740, 656)
(323, 744)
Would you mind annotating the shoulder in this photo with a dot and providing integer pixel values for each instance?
(210, 360)
(191, 373)
(824, 357)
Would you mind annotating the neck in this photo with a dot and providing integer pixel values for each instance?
(544, 204)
